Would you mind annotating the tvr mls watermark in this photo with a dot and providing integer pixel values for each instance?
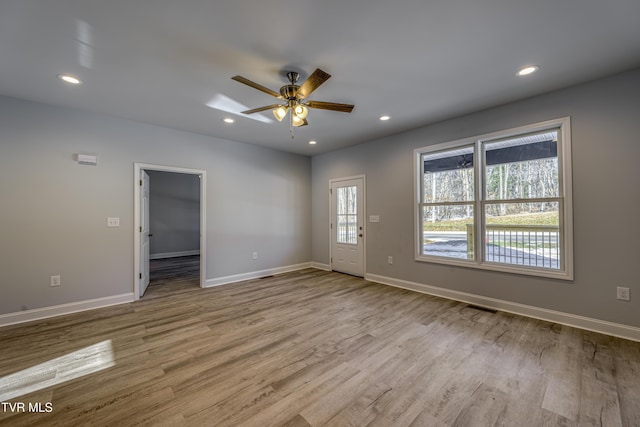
(31, 407)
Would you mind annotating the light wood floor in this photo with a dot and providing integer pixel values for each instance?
(314, 348)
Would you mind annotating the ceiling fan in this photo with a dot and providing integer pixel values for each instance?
(295, 98)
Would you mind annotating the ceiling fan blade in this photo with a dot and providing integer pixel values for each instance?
(266, 107)
(256, 86)
(333, 106)
(313, 81)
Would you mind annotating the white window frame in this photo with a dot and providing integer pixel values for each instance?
(565, 195)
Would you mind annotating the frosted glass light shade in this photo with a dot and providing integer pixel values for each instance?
(297, 121)
(280, 113)
(301, 111)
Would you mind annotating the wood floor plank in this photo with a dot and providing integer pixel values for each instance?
(599, 404)
(563, 366)
(483, 407)
(628, 388)
(313, 348)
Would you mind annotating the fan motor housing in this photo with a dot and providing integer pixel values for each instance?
(289, 91)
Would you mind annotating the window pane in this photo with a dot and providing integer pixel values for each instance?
(523, 234)
(448, 231)
(522, 168)
(347, 215)
(448, 176)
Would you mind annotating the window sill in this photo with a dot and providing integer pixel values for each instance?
(502, 268)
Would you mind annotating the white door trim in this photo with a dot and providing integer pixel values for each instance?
(364, 219)
(145, 184)
(137, 168)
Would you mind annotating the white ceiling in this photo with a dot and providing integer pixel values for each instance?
(420, 61)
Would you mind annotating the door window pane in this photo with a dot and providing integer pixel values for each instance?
(347, 215)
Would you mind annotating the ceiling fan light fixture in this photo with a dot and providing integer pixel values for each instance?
(301, 111)
(280, 113)
(293, 94)
(297, 121)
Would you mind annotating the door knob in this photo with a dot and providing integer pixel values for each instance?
(360, 235)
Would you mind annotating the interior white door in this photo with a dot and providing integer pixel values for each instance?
(347, 226)
(144, 232)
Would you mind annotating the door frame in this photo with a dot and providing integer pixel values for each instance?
(364, 219)
(145, 242)
(137, 168)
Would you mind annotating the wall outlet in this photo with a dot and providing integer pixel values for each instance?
(55, 281)
(623, 294)
(390, 259)
(255, 255)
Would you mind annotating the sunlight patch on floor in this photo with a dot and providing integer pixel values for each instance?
(74, 365)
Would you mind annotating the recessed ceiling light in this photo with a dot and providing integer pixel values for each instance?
(312, 142)
(525, 71)
(228, 120)
(70, 79)
(384, 118)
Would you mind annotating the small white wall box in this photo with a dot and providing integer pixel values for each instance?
(87, 159)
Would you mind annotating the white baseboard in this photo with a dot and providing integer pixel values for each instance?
(581, 322)
(58, 310)
(218, 281)
(319, 266)
(74, 307)
(174, 254)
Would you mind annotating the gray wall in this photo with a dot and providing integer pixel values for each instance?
(174, 212)
(605, 122)
(53, 211)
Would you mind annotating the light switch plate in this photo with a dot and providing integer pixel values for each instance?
(113, 222)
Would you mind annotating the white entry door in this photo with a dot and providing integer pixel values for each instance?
(347, 226)
(144, 231)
